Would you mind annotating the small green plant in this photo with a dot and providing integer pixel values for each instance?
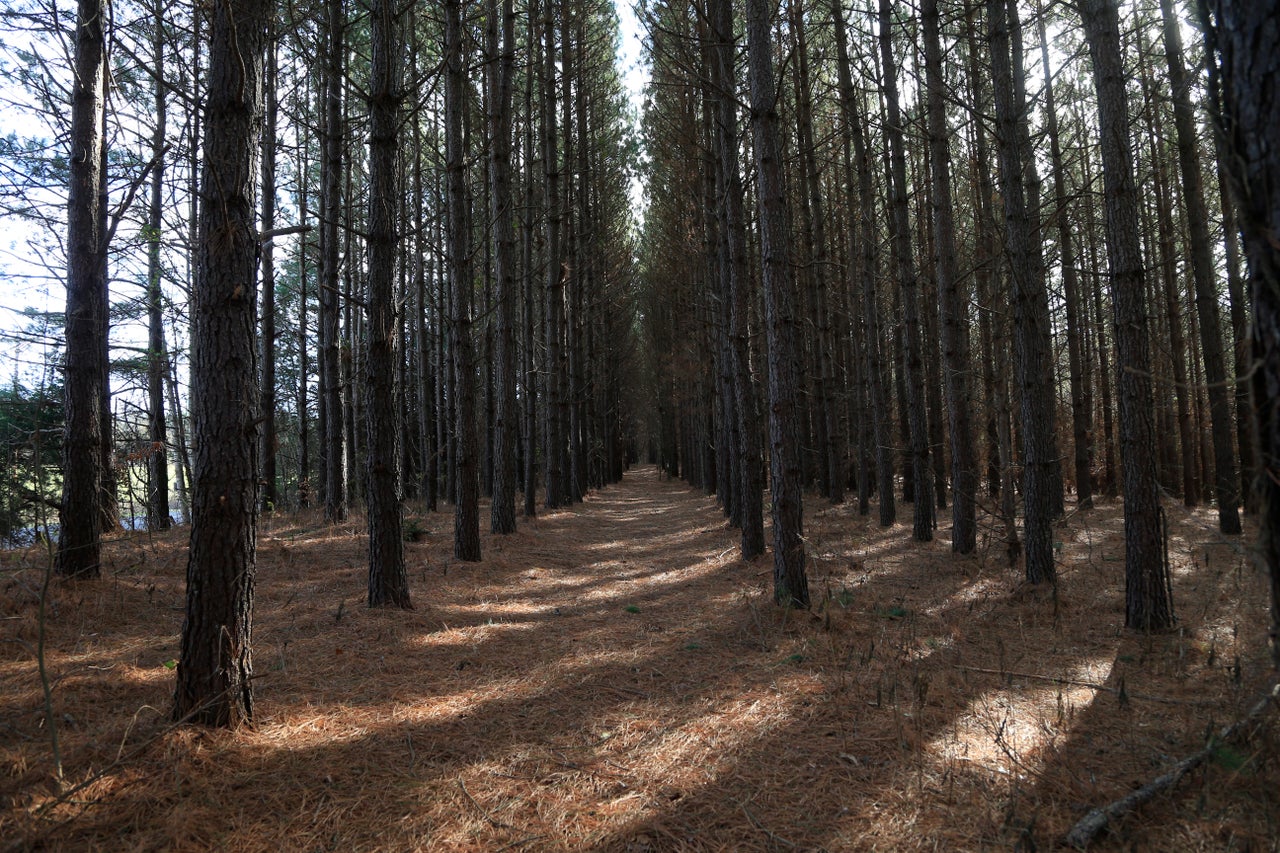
(895, 612)
(692, 647)
(414, 531)
(631, 608)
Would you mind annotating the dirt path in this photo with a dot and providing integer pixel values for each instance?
(612, 677)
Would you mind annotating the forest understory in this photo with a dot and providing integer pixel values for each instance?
(613, 677)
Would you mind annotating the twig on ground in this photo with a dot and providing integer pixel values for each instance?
(1097, 819)
(493, 820)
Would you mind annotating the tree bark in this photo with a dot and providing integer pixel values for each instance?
(501, 72)
(215, 668)
(952, 317)
(1148, 602)
(157, 354)
(1026, 270)
(80, 522)
(1249, 118)
(1226, 482)
(388, 583)
(908, 287)
(790, 585)
(466, 519)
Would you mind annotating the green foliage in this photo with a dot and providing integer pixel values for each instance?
(631, 608)
(31, 442)
(413, 530)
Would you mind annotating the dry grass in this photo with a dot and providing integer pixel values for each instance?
(613, 678)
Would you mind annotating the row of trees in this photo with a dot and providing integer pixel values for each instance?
(402, 246)
(456, 303)
(980, 238)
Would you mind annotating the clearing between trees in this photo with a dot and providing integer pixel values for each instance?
(612, 677)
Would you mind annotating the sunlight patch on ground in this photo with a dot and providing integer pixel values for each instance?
(1011, 730)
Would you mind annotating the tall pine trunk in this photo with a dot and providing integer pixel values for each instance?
(1148, 602)
(80, 521)
(790, 585)
(388, 583)
(214, 679)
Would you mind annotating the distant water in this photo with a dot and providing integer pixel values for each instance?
(26, 537)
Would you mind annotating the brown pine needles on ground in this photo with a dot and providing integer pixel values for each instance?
(612, 677)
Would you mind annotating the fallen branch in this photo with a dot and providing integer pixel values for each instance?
(1097, 819)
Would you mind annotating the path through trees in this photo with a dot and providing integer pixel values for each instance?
(612, 676)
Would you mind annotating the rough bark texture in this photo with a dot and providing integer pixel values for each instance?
(333, 442)
(157, 354)
(863, 251)
(1148, 602)
(501, 72)
(737, 269)
(909, 291)
(1081, 415)
(952, 319)
(790, 585)
(1247, 35)
(80, 522)
(1026, 270)
(215, 665)
(388, 583)
(466, 519)
(267, 453)
(1226, 482)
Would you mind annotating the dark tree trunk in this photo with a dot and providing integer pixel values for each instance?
(80, 522)
(157, 354)
(951, 300)
(734, 222)
(267, 453)
(333, 428)
(1081, 416)
(790, 585)
(214, 684)
(466, 520)
(908, 287)
(1026, 270)
(1250, 122)
(1148, 602)
(1226, 483)
(501, 72)
(388, 583)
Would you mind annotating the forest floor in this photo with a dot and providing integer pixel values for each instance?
(613, 677)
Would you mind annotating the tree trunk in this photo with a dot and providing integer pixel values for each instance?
(1081, 416)
(501, 72)
(1148, 602)
(334, 480)
(267, 453)
(1226, 483)
(466, 520)
(1250, 123)
(908, 287)
(790, 585)
(157, 354)
(214, 684)
(1027, 274)
(388, 583)
(80, 522)
(734, 222)
(952, 317)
